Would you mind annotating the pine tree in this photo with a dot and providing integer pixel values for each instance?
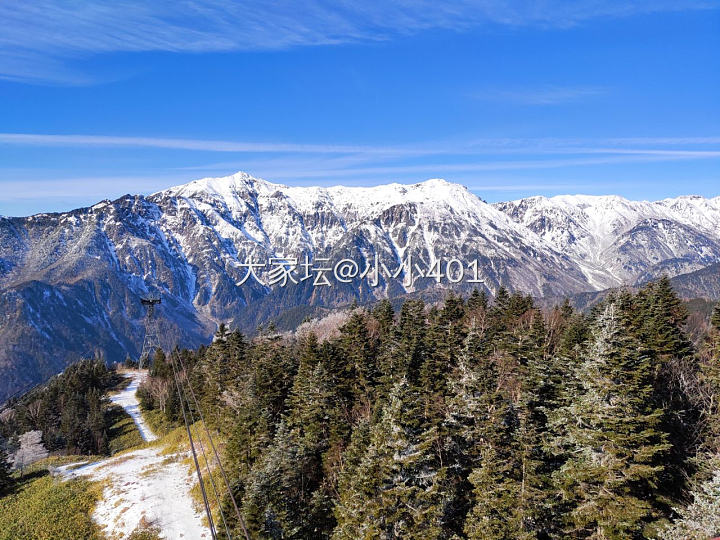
(412, 332)
(161, 366)
(495, 494)
(96, 422)
(404, 349)
(663, 321)
(575, 335)
(475, 405)
(385, 315)
(660, 322)
(715, 317)
(711, 348)
(444, 341)
(502, 436)
(287, 496)
(710, 377)
(312, 414)
(613, 439)
(541, 388)
(501, 301)
(473, 419)
(477, 300)
(700, 520)
(359, 358)
(396, 489)
(275, 495)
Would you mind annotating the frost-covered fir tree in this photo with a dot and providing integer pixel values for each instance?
(473, 417)
(701, 519)
(613, 439)
(275, 493)
(715, 317)
(494, 442)
(397, 488)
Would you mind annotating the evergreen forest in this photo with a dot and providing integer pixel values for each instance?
(477, 418)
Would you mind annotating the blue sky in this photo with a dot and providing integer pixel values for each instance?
(509, 98)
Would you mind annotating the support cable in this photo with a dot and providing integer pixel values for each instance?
(202, 448)
(194, 454)
(217, 457)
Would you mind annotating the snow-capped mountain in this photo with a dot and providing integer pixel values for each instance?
(620, 242)
(70, 283)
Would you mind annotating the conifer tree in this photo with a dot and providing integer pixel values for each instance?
(502, 300)
(286, 496)
(396, 490)
(444, 341)
(96, 422)
(715, 317)
(661, 330)
(574, 336)
(700, 520)
(359, 358)
(385, 315)
(475, 405)
(711, 347)
(663, 321)
(312, 414)
(348, 513)
(614, 442)
(275, 497)
(473, 419)
(412, 347)
(160, 366)
(505, 442)
(477, 300)
(710, 377)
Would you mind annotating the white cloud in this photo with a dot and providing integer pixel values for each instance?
(544, 95)
(540, 145)
(207, 145)
(337, 163)
(442, 169)
(40, 38)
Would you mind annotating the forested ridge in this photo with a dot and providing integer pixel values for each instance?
(473, 419)
(71, 411)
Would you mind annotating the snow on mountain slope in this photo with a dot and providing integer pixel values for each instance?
(75, 278)
(617, 241)
(247, 217)
(342, 207)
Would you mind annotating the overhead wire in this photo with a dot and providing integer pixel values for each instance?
(202, 446)
(217, 457)
(211, 523)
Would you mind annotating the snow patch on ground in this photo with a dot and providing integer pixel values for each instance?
(143, 485)
(127, 400)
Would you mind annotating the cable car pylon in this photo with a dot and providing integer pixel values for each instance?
(151, 342)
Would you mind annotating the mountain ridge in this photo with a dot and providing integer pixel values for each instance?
(70, 282)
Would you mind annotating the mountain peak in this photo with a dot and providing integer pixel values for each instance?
(242, 185)
(223, 187)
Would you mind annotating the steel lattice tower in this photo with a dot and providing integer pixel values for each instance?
(152, 332)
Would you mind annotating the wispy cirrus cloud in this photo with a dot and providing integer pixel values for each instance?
(207, 145)
(498, 145)
(543, 95)
(324, 163)
(40, 40)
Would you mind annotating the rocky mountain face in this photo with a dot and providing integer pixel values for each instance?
(71, 283)
(620, 242)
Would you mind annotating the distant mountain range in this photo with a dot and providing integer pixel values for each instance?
(71, 283)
